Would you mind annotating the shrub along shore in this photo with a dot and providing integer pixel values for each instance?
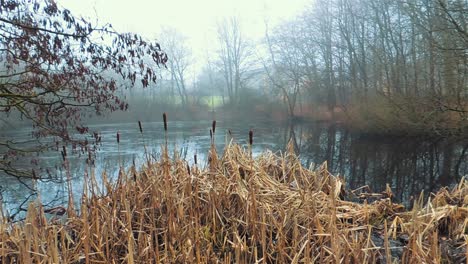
(238, 209)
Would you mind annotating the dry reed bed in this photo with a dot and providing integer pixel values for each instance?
(238, 210)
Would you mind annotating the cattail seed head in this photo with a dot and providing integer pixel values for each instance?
(141, 128)
(195, 158)
(213, 126)
(118, 137)
(165, 121)
(90, 158)
(64, 152)
(251, 137)
(188, 169)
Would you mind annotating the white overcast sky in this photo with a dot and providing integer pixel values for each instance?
(196, 19)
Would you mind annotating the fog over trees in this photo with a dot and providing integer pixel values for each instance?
(384, 66)
(404, 60)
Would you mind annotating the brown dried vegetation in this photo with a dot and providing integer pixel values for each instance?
(238, 210)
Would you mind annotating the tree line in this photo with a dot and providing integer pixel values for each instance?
(382, 63)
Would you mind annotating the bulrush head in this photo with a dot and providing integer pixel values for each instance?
(251, 137)
(64, 153)
(118, 137)
(165, 121)
(211, 134)
(213, 126)
(195, 158)
(141, 128)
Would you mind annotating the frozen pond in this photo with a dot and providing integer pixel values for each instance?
(408, 165)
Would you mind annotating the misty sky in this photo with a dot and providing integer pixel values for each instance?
(194, 18)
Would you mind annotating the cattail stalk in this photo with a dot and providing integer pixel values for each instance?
(250, 142)
(64, 153)
(165, 128)
(71, 210)
(165, 121)
(143, 140)
(139, 125)
(118, 148)
(228, 137)
(89, 157)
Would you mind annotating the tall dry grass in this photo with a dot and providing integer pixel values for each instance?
(238, 209)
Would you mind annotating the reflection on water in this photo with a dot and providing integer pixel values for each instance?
(407, 165)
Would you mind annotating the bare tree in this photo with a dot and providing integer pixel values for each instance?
(285, 66)
(180, 59)
(390, 62)
(53, 67)
(234, 54)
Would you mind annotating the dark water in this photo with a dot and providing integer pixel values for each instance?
(408, 165)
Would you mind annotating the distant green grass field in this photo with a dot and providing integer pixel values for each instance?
(209, 101)
(212, 101)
